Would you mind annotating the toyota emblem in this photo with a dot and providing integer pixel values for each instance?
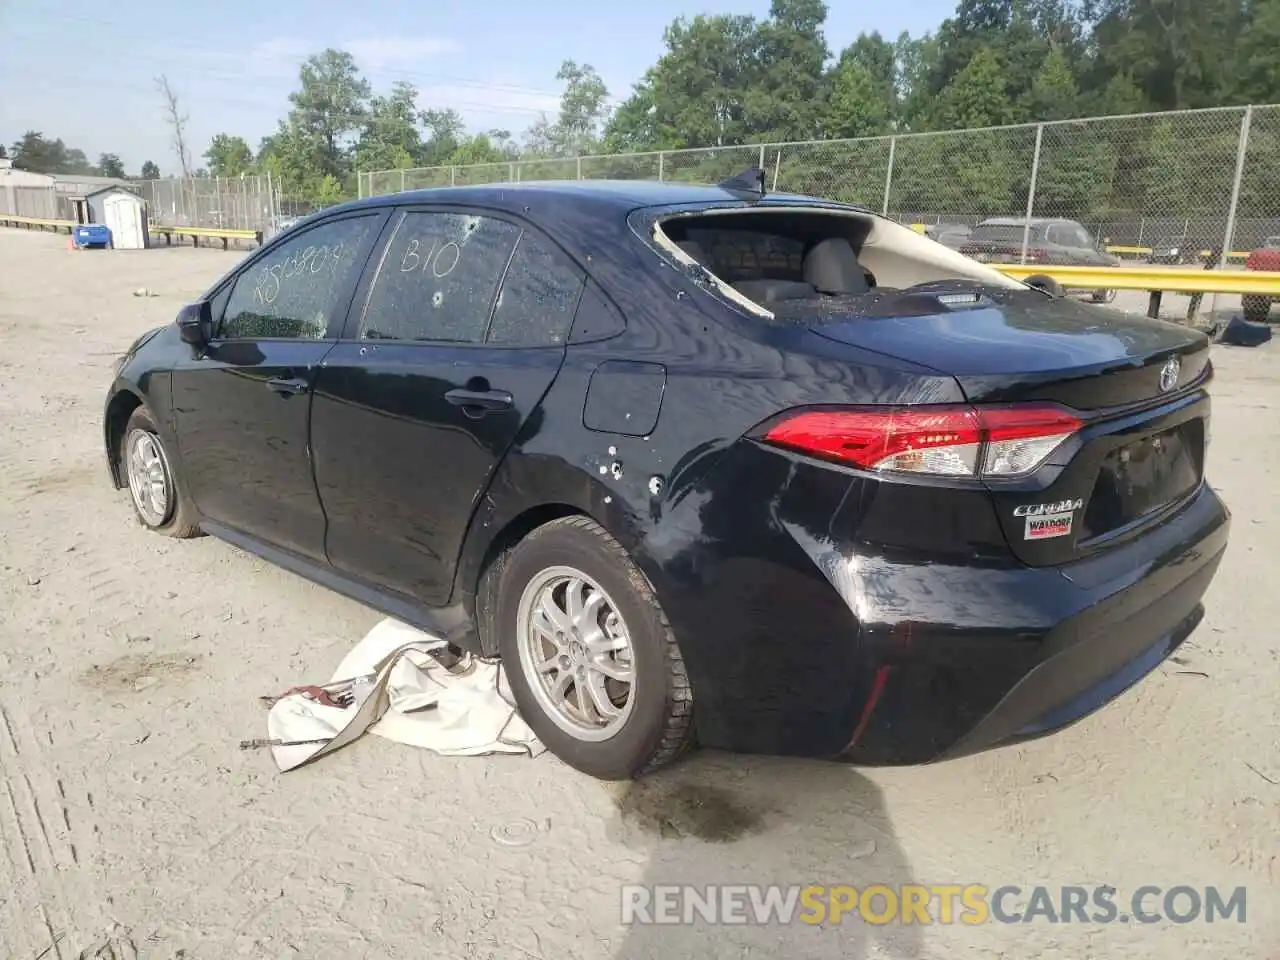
(1169, 375)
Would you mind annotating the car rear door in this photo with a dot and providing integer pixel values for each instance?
(242, 405)
(454, 337)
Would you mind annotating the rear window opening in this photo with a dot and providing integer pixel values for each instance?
(794, 264)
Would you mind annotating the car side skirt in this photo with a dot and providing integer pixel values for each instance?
(450, 623)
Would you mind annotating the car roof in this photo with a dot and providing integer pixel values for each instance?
(1022, 221)
(617, 195)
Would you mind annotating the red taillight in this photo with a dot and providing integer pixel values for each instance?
(955, 440)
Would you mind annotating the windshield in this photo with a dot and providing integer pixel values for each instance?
(1072, 236)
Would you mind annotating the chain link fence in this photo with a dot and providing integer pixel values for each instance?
(231, 203)
(1194, 179)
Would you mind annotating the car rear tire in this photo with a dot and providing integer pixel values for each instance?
(1104, 296)
(1256, 309)
(158, 501)
(593, 665)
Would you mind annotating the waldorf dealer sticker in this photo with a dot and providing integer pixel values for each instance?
(1048, 520)
(1054, 525)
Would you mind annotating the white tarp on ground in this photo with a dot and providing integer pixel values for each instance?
(392, 684)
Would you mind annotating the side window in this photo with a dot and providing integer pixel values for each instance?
(292, 291)
(1052, 235)
(438, 278)
(539, 295)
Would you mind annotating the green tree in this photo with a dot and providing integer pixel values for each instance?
(694, 95)
(478, 148)
(1054, 94)
(783, 99)
(228, 156)
(1257, 65)
(328, 108)
(78, 163)
(977, 97)
(110, 165)
(390, 139)
(633, 125)
(38, 154)
(877, 59)
(444, 131)
(1181, 53)
(149, 171)
(916, 61)
(1119, 96)
(857, 106)
(584, 111)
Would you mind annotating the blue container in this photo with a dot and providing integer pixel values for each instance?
(91, 235)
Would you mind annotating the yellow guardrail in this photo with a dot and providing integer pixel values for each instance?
(1121, 250)
(1155, 280)
(211, 233)
(11, 220)
(1173, 280)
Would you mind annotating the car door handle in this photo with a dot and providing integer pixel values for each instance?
(485, 400)
(288, 386)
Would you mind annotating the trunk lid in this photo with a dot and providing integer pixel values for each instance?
(1021, 345)
(1138, 385)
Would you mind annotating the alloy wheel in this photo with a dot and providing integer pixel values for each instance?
(575, 652)
(148, 474)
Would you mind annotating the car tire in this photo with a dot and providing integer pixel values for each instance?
(159, 502)
(612, 730)
(1104, 296)
(1256, 309)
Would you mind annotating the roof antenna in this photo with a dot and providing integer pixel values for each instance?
(748, 185)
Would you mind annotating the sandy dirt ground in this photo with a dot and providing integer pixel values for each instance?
(130, 668)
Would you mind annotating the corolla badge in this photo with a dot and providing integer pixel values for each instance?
(1169, 374)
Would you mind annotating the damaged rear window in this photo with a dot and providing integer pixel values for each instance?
(735, 255)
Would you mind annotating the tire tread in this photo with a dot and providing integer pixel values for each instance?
(180, 525)
(677, 736)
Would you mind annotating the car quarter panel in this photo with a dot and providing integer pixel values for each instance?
(694, 508)
(820, 611)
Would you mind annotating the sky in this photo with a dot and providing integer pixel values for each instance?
(86, 72)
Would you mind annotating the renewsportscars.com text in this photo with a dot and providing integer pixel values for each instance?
(920, 904)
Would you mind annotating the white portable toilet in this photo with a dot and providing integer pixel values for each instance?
(125, 215)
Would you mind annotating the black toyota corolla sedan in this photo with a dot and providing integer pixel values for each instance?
(764, 473)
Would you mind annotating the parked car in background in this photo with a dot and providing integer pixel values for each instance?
(768, 473)
(1176, 250)
(279, 224)
(1266, 257)
(953, 235)
(1052, 242)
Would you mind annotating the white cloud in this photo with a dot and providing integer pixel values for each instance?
(490, 100)
(280, 57)
(382, 53)
(428, 62)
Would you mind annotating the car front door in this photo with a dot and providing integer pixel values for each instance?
(242, 405)
(451, 344)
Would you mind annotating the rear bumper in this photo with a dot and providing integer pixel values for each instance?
(800, 639)
(1118, 617)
